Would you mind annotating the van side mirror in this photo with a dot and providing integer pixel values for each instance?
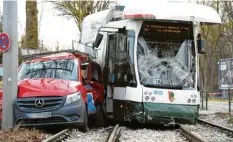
(201, 46)
(98, 40)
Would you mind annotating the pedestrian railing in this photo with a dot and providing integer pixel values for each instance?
(204, 98)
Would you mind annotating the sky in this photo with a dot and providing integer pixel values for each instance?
(53, 29)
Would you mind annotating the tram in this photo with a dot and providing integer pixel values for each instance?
(148, 52)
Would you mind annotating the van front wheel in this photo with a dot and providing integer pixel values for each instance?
(84, 127)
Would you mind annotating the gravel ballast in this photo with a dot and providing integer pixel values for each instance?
(208, 133)
(148, 135)
(98, 135)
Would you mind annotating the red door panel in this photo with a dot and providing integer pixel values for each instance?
(98, 91)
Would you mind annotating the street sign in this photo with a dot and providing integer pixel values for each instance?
(4, 42)
(225, 67)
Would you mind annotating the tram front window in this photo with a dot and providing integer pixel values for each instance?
(166, 64)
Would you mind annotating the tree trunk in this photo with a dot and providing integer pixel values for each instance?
(31, 24)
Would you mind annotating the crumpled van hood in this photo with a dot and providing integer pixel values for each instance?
(46, 87)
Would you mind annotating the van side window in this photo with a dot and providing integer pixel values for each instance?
(95, 74)
(84, 72)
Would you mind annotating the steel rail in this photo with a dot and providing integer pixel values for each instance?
(56, 136)
(113, 133)
(215, 125)
(191, 136)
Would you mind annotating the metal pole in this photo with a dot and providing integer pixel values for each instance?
(10, 63)
(229, 96)
(206, 97)
(202, 99)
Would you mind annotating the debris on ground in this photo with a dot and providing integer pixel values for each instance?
(22, 135)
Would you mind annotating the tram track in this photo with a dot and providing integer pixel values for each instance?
(113, 134)
(68, 135)
(210, 132)
(221, 128)
(189, 133)
(62, 135)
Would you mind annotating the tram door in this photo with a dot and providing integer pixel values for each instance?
(119, 73)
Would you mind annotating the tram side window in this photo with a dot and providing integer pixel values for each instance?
(121, 71)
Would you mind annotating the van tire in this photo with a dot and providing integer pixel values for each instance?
(84, 127)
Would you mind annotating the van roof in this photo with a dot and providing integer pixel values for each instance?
(54, 57)
(63, 55)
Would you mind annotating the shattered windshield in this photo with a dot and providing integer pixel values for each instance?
(59, 69)
(168, 64)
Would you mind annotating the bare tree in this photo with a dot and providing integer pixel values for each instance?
(219, 44)
(79, 9)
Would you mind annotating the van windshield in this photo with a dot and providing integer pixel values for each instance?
(64, 69)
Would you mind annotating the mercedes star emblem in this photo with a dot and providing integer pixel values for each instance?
(39, 103)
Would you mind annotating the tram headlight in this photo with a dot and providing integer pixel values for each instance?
(152, 98)
(191, 96)
(189, 100)
(147, 98)
(195, 96)
(194, 100)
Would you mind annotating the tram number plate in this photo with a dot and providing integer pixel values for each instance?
(157, 81)
(39, 115)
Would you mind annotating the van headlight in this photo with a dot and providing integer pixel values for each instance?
(72, 98)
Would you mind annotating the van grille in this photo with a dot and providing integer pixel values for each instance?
(41, 121)
(38, 104)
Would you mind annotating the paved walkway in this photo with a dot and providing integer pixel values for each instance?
(214, 107)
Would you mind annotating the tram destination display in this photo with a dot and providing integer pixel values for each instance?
(225, 73)
(166, 30)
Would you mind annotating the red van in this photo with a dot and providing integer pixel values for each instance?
(60, 89)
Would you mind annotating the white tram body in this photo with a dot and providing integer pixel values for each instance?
(149, 58)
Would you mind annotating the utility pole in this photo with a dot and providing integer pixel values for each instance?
(10, 63)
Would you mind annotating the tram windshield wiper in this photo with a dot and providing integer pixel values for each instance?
(187, 78)
(163, 86)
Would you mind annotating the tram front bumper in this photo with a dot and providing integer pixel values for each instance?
(158, 113)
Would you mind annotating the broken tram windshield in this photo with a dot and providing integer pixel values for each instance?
(166, 64)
